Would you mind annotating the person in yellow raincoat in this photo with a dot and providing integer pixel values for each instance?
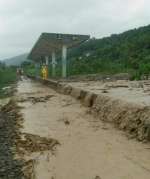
(44, 70)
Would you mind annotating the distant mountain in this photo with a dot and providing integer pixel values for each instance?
(17, 60)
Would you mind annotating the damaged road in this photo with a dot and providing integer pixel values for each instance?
(87, 147)
(15, 145)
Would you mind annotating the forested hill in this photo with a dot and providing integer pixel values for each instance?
(119, 52)
(17, 60)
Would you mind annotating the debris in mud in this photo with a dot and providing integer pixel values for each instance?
(28, 168)
(88, 112)
(146, 90)
(138, 164)
(39, 91)
(117, 86)
(97, 177)
(36, 99)
(48, 157)
(104, 91)
(67, 122)
(34, 143)
(10, 90)
(68, 103)
(12, 143)
(105, 128)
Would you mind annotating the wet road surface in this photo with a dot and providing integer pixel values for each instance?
(89, 148)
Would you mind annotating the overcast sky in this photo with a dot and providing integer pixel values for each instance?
(23, 21)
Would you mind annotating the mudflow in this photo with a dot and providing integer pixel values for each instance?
(91, 130)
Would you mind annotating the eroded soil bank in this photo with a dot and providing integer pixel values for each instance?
(89, 145)
(127, 111)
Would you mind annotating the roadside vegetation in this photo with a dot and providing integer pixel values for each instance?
(28, 67)
(142, 73)
(7, 77)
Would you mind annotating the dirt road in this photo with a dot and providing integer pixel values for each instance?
(89, 147)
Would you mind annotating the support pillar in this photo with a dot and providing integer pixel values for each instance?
(41, 63)
(39, 68)
(64, 56)
(53, 63)
(47, 63)
(37, 64)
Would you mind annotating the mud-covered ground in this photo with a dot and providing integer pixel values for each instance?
(90, 146)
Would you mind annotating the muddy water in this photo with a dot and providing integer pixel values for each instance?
(89, 148)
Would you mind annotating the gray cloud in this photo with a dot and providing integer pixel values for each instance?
(23, 21)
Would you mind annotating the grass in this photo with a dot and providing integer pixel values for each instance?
(7, 77)
(2, 94)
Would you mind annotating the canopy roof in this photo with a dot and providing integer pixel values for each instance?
(49, 42)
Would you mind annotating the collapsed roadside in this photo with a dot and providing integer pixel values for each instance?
(128, 115)
(45, 112)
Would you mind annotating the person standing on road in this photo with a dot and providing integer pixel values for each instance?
(44, 70)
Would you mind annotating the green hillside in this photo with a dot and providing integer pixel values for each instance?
(123, 52)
